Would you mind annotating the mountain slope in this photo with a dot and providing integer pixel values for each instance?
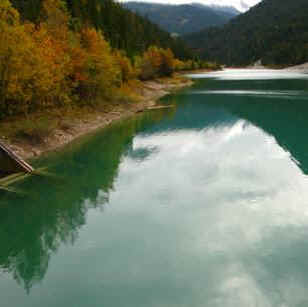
(228, 10)
(274, 31)
(183, 19)
(122, 28)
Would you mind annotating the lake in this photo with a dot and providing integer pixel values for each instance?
(203, 204)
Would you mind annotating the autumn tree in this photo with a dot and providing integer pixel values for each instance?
(128, 71)
(101, 74)
(58, 60)
(156, 62)
(52, 38)
(18, 58)
(167, 62)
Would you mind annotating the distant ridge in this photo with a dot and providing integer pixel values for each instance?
(225, 9)
(184, 18)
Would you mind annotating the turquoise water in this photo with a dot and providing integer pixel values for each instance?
(204, 204)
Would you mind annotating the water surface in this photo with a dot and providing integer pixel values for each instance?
(205, 204)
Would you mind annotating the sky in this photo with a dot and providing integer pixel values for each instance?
(241, 5)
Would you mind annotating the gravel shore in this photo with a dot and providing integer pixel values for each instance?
(303, 68)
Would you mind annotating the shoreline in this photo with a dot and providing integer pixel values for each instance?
(301, 68)
(150, 92)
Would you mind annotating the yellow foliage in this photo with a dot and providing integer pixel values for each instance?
(55, 67)
(52, 41)
(179, 65)
(128, 71)
(168, 58)
(8, 14)
(128, 92)
(55, 18)
(102, 74)
(17, 56)
(47, 64)
(156, 62)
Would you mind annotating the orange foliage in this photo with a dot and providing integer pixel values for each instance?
(100, 73)
(156, 62)
(47, 64)
(128, 71)
(55, 18)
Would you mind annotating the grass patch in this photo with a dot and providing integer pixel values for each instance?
(35, 132)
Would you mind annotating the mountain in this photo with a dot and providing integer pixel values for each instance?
(274, 31)
(183, 19)
(124, 29)
(228, 10)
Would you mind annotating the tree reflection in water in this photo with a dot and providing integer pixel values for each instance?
(33, 227)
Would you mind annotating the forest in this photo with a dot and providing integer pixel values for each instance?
(122, 28)
(274, 31)
(55, 53)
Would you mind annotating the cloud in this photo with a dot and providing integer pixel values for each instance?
(241, 5)
(217, 216)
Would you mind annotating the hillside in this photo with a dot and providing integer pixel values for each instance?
(183, 19)
(58, 54)
(274, 31)
(122, 28)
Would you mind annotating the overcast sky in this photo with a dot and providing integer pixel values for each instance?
(241, 5)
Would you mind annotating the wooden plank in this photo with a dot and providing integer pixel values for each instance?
(160, 107)
(20, 164)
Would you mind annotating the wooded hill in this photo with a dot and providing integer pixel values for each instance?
(183, 19)
(122, 28)
(274, 31)
(61, 54)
